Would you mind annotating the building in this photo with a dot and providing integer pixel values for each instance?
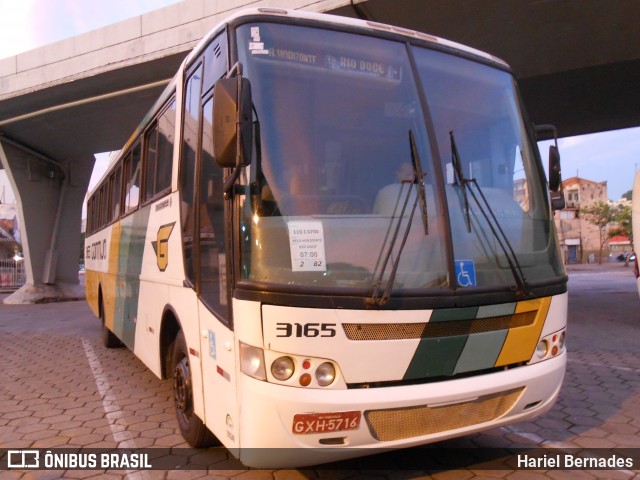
(579, 239)
(9, 232)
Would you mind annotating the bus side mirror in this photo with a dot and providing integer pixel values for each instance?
(232, 122)
(556, 192)
(555, 179)
(555, 173)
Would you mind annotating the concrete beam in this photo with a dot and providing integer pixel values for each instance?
(50, 196)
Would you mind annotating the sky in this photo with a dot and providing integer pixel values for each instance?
(27, 24)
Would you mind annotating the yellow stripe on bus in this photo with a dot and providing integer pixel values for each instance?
(521, 341)
(109, 286)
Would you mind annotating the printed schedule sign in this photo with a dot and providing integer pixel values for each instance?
(306, 242)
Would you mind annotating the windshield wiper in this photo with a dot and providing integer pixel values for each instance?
(418, 179)
(490, 218)
(459, 178)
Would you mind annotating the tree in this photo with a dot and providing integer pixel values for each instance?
(600, 214)
(624, 227)
(623, 220)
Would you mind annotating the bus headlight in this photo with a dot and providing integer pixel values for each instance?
(282, 368)
(549, 346)
(303, 371)
(542, 349)
(252, 361)
(562, 340)
(325, 374)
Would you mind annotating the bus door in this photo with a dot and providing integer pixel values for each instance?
(217, 339)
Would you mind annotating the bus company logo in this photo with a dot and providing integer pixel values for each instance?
(161, 245)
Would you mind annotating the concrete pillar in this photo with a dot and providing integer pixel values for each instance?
(49, 194)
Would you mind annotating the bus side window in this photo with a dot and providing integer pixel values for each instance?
(151, 160)
(117, 193)
(101, 207)
(132, 196)
(166, 129)
(159, 154)
(213, 272)
(188, 169)
(109, 202)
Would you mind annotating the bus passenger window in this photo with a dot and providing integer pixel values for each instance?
(117, 193)
(150, 165)
(159, 154)
(166, 128)
(103, 205)
(132, 197)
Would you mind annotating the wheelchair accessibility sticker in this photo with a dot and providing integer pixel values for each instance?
(465, 273)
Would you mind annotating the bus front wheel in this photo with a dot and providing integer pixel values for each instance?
(192, 428)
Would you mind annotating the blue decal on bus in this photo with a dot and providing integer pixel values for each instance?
(212, 345)
(465, 273)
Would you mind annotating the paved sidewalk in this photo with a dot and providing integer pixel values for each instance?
(60, 388)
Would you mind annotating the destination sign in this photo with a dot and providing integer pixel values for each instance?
(344, 63)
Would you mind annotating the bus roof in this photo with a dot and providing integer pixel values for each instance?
(270, 12)
(337, 20)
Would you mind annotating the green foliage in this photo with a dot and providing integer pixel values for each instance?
(600, 214)
(623, 220)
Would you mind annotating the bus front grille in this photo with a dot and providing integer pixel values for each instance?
(399, 423)
(403, 331)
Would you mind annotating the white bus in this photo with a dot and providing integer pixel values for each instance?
(336, 236)
(635, 223)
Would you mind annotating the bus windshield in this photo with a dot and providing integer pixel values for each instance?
(354, 177)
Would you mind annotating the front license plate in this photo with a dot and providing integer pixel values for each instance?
(306, 423)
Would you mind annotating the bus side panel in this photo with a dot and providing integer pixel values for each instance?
(154, 299)
(161, 281)
(132, 237)
(108, 279)
(635, 219)
(99, 256)
(91, 282)
(185, 304)
(220, 368)
(161, 290)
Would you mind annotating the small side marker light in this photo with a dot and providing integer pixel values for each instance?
(305, 379)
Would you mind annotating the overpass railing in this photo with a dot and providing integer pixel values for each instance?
(12, 274)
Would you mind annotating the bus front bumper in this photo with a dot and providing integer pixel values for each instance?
(287, 419)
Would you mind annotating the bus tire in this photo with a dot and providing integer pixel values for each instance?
(109, 339)
(192, 428)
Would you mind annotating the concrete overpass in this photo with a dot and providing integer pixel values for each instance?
(577, 61)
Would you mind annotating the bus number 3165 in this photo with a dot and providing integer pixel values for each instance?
(306, 330)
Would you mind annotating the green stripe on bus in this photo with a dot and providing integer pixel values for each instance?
(481, 351)
(132, 238)
(435, 357)
(449, 314)
(496, 310)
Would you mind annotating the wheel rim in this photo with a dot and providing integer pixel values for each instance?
(182, 389)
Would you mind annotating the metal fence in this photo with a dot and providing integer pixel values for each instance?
(12, 275)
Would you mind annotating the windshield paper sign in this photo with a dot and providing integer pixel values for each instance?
(306, 242)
